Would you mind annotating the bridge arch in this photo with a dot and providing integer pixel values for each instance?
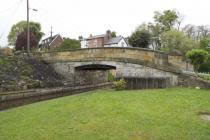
(95, 67)
(128, 62)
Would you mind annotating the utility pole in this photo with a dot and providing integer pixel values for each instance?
(28, 30)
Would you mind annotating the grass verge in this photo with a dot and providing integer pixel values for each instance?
(156, 114)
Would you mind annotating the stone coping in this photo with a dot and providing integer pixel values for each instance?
(98, 48)
(7, 96)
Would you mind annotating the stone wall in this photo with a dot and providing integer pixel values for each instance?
(129, 62)
(144, 57)
(186, 80)
(18, 98)
(123, 69)
(83, 77)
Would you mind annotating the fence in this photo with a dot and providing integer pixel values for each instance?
(146, 82)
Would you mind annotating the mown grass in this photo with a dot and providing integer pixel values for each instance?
(160, 114)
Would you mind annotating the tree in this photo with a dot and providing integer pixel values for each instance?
(113, 34)
(21, 42)
(155, 31)
(140, 38)
(167, 19)
(205, 67)
(204, 43)
(190, 31)
(197, 57)
(197, 32)
(176, 40)
(80, 38)
(69, 44)
(20, 27)
(179, 20)
(203, 31)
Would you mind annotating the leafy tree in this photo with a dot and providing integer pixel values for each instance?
(205, 67)
(155, 31)
(21, 42)
(140, 38)
(20, 27)
(204, 43)
(113, 34)
(80, 38)
(167, 19)
(69, 44)
(197, 57)
(176, 40)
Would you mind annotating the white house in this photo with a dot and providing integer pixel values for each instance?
(118, 41)
(84, 43)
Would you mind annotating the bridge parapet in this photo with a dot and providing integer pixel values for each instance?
(150, 58)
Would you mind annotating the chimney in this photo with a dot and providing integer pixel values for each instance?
(109, 34)
(91, 35)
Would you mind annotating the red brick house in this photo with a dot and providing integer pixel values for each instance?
(99, 40)
(104, 40)
(51, 42)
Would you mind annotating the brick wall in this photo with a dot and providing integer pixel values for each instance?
(100, 41)
(97, 42)
(56, 43)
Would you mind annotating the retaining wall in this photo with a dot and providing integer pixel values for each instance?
(12, 99)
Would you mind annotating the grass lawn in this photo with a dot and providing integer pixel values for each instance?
(161, 114)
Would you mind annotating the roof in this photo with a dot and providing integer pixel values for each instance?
(47, 41)
(114, 40)
(97, 36)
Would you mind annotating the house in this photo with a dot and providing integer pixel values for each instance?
(51, 42)
(98, 40)
(83, 43)
(118, 41)
(104, 40)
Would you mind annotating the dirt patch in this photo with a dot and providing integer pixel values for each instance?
(205, 116)
(136, 136)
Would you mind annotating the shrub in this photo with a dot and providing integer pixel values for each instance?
(110, 77)
(197, 57)
(204, 76)
(120, 84)
(6, 52)
(69, 44)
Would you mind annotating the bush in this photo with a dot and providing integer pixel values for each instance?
(69, 44)
(6, 52)
(110, 77)
(120, 84)
(204, 76)
(197, 57)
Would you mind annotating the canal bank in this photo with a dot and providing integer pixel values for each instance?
(19, 98)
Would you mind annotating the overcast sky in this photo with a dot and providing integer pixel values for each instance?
(72, 18)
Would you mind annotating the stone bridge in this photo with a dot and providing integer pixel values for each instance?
(85, 65)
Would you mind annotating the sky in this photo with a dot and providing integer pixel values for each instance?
(72, 18)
